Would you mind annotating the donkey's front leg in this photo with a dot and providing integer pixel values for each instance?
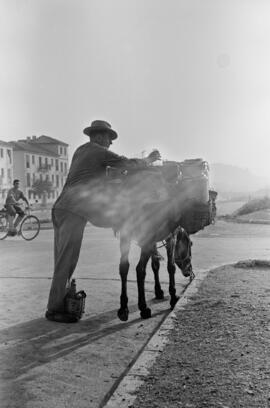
(123, 270)
(141, 273)
(170, 247)
(155, 263)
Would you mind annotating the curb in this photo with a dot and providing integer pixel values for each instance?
(243, 221)
(124, 395)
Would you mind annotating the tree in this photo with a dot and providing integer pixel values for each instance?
(41, 186)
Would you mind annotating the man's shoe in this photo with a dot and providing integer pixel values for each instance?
(61, 317)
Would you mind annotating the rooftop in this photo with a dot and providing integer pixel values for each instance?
(5, 144)
(31, 148)
(47, 139)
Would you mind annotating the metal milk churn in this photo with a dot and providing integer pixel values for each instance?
(195, 179)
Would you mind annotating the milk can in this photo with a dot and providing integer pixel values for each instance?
(195, 179)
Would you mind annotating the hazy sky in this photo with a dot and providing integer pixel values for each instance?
(190, 77)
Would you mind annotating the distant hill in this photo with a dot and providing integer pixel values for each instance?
(257, 204)
(232, 179)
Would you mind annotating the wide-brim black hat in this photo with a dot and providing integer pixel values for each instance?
(100, 125)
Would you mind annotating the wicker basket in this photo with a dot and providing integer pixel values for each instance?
(76, 305)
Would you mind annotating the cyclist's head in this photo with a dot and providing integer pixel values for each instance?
(16, 183)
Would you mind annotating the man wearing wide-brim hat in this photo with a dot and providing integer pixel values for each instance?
(83, 198)
(102, 126)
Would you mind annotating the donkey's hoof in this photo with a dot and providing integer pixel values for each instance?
(173, 301)
(146, 313)
(123, 314)
(186, 274)
(159, 294)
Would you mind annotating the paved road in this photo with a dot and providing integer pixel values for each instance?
(47, 364)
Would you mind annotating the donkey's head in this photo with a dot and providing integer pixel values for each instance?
(183, 252)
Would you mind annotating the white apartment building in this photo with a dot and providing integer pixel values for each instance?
(6, 169)
(40, 158)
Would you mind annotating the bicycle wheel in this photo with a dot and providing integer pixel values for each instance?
(3, 226)
(30, 227)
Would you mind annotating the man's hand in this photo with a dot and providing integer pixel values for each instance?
(153, 156)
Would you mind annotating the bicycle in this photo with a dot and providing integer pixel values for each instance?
(29, 227)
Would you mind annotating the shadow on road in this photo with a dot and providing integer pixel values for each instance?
(37, 342)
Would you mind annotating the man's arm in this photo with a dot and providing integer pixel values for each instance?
(22, 197)
(114, 160)
(27, 202)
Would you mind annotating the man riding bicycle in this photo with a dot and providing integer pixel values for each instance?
(12, 205)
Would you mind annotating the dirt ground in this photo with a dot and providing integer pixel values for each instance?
(218, 354)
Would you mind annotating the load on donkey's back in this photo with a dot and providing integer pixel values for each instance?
(163, 181)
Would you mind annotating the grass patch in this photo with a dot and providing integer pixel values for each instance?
(251, 206)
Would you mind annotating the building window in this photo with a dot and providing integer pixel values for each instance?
(9, 155)
(52, 162)
(40, 161)
(1, 152)
(27, 161)
(2, 172)
(52, 178)
(9, 175)
(56, 164)
(28, 180)
(33, 159)
(61, 167)
(65, 168)
(65, 151)
(57, 180)
(61, 150)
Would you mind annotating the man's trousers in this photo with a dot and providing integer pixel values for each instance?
(68, 235)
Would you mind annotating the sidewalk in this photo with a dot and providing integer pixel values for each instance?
(217, 347)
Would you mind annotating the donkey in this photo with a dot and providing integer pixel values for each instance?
(142, 207)
(151, 224)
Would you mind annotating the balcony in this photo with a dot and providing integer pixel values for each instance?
(44, 168)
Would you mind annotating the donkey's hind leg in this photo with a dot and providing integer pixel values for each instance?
(141, 273)
(123, 312)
